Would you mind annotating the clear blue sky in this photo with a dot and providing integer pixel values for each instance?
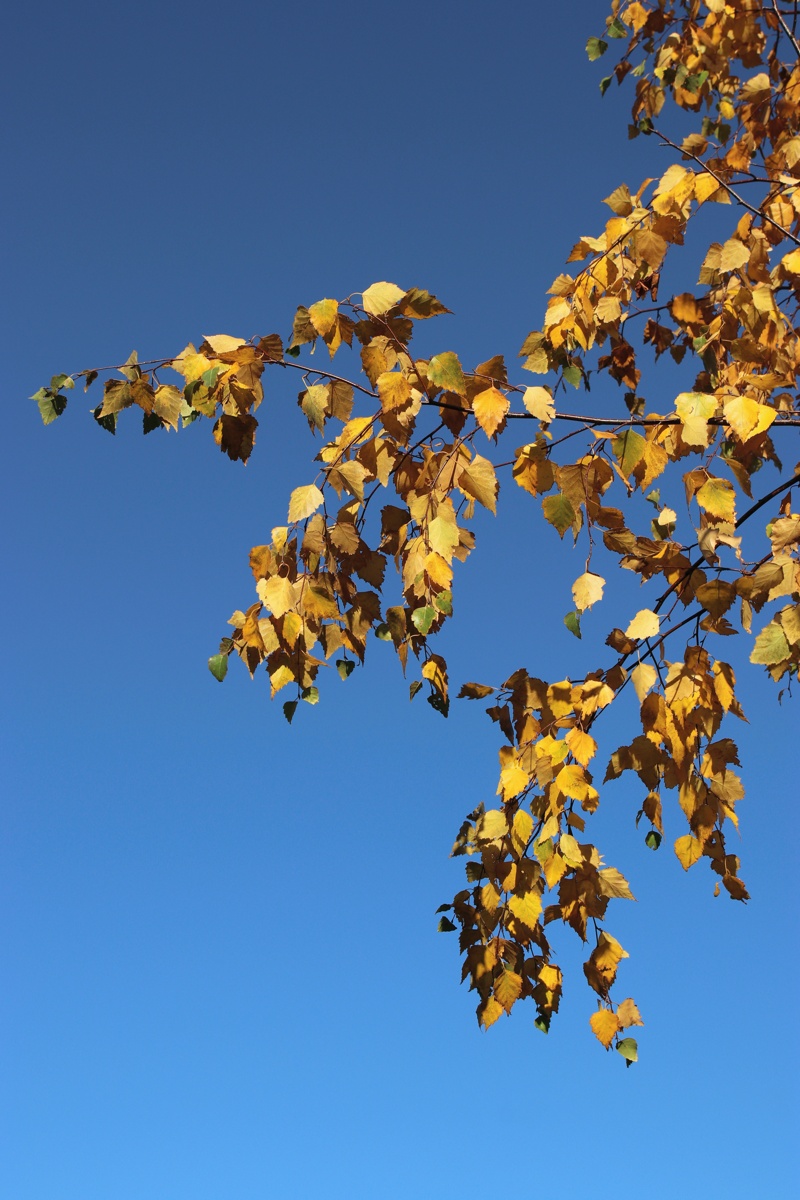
(222, 979)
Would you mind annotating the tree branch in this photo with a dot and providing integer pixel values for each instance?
(739, 200)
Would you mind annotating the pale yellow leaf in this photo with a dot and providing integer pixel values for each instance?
(491, 825)
(644, 625)
(614, 883)
(643, 677)
(323, 316)
(380, 297)
(587, 590)
(222, 343)
(539, 403)
(303, 502)
(277, 593)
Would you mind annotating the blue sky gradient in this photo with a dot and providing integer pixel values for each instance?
(222, 976)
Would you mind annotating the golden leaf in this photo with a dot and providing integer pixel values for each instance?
(582, 746)
(587, 590)
(490, 408)
(644, 625)
(605, 1026)
(479, 480)
(694, 409)
(304, 501)
(688, 850)
(443, 535)
(489, 1011)
(393, 389)
(527, 908)
(380, 297)
(507, 989)
(521, 830)
(572, 781)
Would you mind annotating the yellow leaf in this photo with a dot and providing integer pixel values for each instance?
(512, 781)
(718, 498)
(581, 746)
(694, 409)
(734, 254)
(747, 418)
(688, 850)
(380, 297)
(443, 536)
(394, 390)
(303, 502)
(489, 1011)
(587, 590)
(480, 481)
(614, 883)
(550, 976)
(490, 408)
(608, 953)
(526, 908)
(279, 678)
(491, 825)
(605, 1026)
(644, 625)
(507, 989)
(221, 343)
(643, 677)
(569, 848)
(521, 830)
(277, 593)
(323, 315)
(539, 403)
(490, 897)
(572, 781)
(628, 1014)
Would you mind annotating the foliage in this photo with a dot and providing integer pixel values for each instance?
(426, 433)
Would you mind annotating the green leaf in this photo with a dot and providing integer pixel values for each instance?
(595, 47)
(559, 512)
(629, 1050)
(771, 646)
(444, 908)
(310, 695)
(383, 632)
(414, 688)
(445, 926)
(573, 623)
(218, 666)
(423, 618)
(605, 84)
(628, 450)
(444, 370)
(653, 839)
(444, 603)
(573, 374)
(615, 29)
(345, 667)
(51, 405)
(542, 1023)
(61, 381)
(289, 709)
